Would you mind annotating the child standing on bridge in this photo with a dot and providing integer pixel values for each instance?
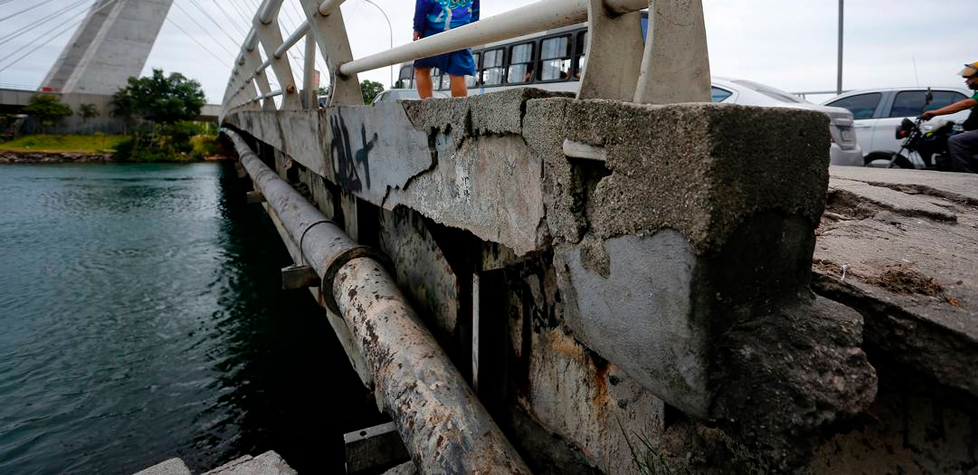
(435, 16)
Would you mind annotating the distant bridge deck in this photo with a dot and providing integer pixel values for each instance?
(12, 101)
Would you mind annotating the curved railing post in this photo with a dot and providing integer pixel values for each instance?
(270, 37)
(612, 67)
(676, 62)
(252, 63)
(329, 30)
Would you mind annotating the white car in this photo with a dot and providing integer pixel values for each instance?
(878, 113)
(844, 151)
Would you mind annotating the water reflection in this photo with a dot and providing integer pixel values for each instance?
(140, 318)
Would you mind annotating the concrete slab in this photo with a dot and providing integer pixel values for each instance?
(172, 466)
(268, 463)
(908, 241)
(888, 198)
(952, 185)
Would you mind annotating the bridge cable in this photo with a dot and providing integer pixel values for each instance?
(23, 30)
(70, 27)
(208, 33)
(244, 16)
(205, 48)
(45, 2)
(230, 19)
(211, 18)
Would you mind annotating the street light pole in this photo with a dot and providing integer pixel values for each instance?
(838, 82)
(391, 29)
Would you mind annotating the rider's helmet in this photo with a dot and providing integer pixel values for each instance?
(970, 69)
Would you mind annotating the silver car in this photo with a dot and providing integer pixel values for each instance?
(879, 112)
(845, 149)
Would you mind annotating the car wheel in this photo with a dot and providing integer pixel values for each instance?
(900, 161)
(878, 159)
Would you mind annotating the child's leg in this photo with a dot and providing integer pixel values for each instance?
(459, 89)
(422, 78)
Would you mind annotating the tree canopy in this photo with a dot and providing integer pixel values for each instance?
(370, 90)
(159, 98)
(47, 108)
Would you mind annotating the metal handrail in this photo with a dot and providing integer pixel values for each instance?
(294, 38)
(534, 18)
(541, 16)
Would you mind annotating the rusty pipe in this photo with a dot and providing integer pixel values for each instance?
(444, 426)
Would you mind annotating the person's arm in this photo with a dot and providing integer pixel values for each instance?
(475, 10)
(950, 109)
(421, 8)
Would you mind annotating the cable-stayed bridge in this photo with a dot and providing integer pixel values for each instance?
(539, 280)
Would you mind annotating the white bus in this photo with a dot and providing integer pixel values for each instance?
(551, 60)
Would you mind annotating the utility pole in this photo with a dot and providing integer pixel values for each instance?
(838, 82)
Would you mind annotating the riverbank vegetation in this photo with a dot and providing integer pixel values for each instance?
(96, 143)
(160, 112)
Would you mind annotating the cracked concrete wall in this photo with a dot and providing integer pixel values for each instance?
(570, 391)
(422, 271)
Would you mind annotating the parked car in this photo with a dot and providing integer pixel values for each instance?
(404, 95)
(878, 114)
(844, 151)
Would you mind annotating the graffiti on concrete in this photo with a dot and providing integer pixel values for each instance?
(344, 160)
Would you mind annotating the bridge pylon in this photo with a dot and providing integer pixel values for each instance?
(112, 44)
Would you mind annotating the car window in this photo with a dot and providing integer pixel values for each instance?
(720, 95)
(912, 103)
(771, 92)
(862, 106)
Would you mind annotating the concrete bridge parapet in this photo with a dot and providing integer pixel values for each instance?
(597, 261)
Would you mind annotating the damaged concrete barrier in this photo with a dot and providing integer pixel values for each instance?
(686, 261)
(680, 237)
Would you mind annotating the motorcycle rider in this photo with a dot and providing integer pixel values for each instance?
(962, 146)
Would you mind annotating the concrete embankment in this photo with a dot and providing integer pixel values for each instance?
(54, 157)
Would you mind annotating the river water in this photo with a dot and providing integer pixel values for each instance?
(141, 319)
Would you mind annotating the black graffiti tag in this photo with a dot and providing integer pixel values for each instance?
(345, 162)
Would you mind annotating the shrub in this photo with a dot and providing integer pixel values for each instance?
(204, 146)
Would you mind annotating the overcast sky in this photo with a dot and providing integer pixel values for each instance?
(789, 44)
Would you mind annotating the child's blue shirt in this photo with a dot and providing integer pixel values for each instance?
(441, 15)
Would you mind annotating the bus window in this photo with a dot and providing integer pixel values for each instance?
(520, 64)
(492, 63)
(581, 60)
(473, 81)
(404, 76)
(555, 54)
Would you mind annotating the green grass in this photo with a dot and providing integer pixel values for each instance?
(63, 143)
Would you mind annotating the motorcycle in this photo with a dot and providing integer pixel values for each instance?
(929, 145)
(925, 149)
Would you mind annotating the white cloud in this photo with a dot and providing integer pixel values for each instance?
(787, 44)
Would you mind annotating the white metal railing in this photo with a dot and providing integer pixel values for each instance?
(324, 26)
